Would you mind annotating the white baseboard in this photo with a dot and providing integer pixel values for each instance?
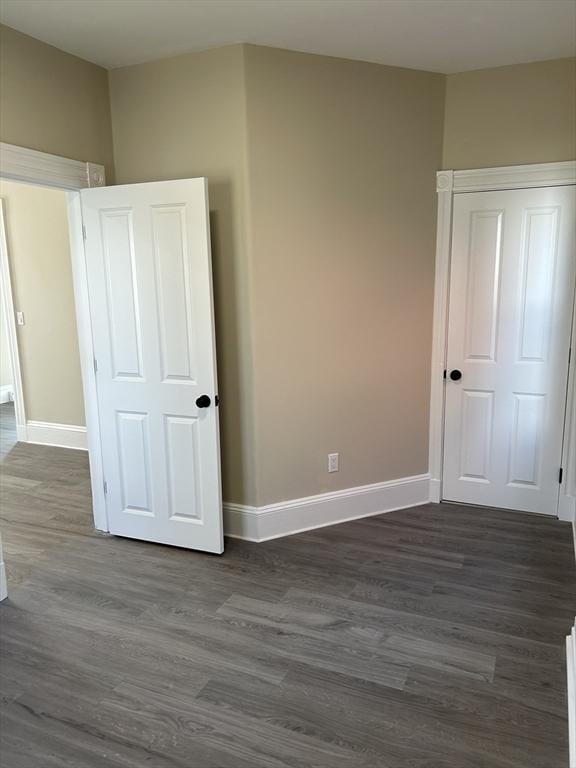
(435, 489)
(571, 673)
(3, 582)
(46, 433)
(6, 393)
(3, 579)
(298, 515)
(567, 508)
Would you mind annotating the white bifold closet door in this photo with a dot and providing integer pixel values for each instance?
(512, 284)
(150, 291)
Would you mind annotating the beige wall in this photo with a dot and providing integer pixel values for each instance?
(185, 117)
(323, 205)
(52, 101)
(38, 249)
(511, 115)
(343, 157)
(323, 251)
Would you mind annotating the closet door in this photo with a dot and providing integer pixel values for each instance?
(511, 301)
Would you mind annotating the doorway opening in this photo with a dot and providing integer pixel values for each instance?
(39, 329)
(142, 288)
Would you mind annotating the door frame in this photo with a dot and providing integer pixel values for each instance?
(46, 170)
(448, 184)
(8, 317)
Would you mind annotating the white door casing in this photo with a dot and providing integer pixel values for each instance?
(149, 279)
(511, 298)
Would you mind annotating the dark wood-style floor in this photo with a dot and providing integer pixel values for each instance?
(7, 428)
(427, 638)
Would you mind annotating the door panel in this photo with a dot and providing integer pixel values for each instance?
(477, 417)
(183, 462)
(123, 318)
(150, 288)
(512, 286)
(483, 272)
(174, 299)
(538, 266)
(526, 443)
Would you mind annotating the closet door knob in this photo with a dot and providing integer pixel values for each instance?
(455, 375)
(203, 401)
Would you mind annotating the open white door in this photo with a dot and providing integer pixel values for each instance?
(150, 290)
(511, 297)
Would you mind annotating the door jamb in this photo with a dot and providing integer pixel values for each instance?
(42, 169)
(567, 500)
(448, 184)
(9, 320)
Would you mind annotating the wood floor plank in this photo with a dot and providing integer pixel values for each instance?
(448, 658)
(424, 638)
(427, 626)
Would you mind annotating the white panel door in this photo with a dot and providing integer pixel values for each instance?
(511, 296)
(150, 288)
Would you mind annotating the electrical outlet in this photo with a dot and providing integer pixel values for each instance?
(333, 462)
(20, 318)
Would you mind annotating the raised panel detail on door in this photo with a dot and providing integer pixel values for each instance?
(149, 279)
(121, 292)
(483, 284)
(185, 482)
(134, 452)
(478, 413)
(174, 300)
(512, 287)
(538, 262)
(526, 445)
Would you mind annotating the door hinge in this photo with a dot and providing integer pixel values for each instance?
(95, 365)
(569, 355)
(105, 488)
(560, 474)
(84, 232)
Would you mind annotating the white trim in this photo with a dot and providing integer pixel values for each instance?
(61, 435)
(3, 579)
(571, 678)
(33, 167)
(298, 515)
(3, 582)
(39, 168)
(449, 183)
(9, 320)
(86, 349)
(567, 508)
(6, 393)
(515, 177)
(567, 500)
(439, 331)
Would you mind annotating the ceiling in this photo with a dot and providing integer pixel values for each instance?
(436, 35)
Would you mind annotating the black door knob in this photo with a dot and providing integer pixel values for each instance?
(203, 401)
(455, 375)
